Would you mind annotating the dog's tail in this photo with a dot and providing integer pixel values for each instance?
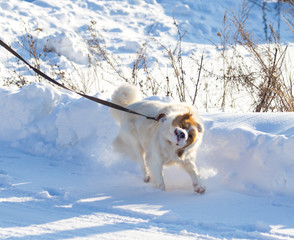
(125, 95)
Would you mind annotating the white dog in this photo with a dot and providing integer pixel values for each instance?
(173, 139)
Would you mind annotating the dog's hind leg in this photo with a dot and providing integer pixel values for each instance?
(156, 170)
(127, 143)
(140, 155)
(136, 153)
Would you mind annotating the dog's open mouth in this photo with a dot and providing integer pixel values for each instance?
(180, 134)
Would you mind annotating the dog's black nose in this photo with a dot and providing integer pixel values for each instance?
(181, 134)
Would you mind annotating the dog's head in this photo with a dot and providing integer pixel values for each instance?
(184, 131)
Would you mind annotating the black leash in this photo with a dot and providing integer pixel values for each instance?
(97, 100)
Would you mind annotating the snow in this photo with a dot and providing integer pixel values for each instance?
(257, 144)
(59, 177)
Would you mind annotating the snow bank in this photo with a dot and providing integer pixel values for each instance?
(245, 152)
(41, 120)
(251, 152)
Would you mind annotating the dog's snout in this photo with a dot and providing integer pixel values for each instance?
(180, 133)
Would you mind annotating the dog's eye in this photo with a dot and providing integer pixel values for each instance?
(190, 136)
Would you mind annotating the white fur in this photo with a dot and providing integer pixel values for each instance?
(153, 143)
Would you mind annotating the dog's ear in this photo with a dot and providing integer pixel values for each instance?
(161, 117)
(199, 128)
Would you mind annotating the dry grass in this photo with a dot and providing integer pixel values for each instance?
(271, 84)
(264, 75)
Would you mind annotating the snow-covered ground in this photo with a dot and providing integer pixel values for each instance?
(60, 179)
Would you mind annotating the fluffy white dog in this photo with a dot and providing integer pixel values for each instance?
(173, 139)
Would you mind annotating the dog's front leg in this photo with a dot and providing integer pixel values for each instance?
(156, 170)
(145, 170)
(190, 167)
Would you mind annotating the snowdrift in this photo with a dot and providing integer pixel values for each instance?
(244, 152)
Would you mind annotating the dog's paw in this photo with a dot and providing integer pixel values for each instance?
(147, 179)
(199, 189)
